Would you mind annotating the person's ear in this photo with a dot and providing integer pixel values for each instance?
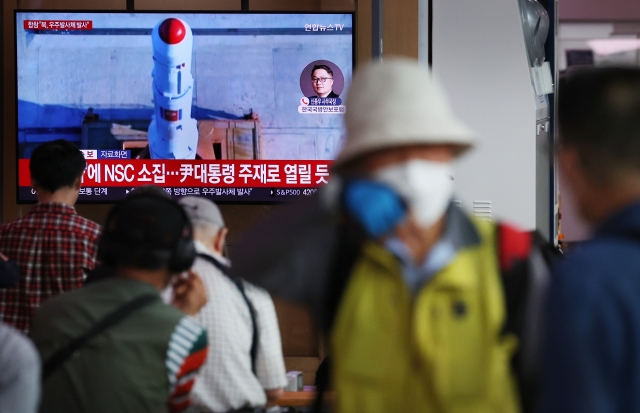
(571, 167)
(582, 190)
(34, 185)
(77, 184)
(220, 240)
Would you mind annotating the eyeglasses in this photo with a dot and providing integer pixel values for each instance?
(320, 79)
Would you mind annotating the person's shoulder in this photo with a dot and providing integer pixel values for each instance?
(205, 260)
(34, 219)
(602, 269)
(164, 321)
(61, 306)
(208, 271)
(77, 295)
(120, 289)
(14, 224)
(9, 337)
(18, 347)
(86, 224)
(600, 256)
(261, 300)
(88, 294)
(601, 273)
(164, 314)
(9, 231)
(257, 293)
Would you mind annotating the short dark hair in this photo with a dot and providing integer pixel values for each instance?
(324, 67)
(599, 116)
(56, 164)
(144, 231)
(148, 190)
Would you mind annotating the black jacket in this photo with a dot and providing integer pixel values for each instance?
(331, 95)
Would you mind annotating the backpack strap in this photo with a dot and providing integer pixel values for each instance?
(255, 338)
(513, 246)
(525, 259)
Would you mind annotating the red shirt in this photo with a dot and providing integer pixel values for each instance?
(54, 248)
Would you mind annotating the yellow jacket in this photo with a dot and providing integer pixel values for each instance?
(441, 350)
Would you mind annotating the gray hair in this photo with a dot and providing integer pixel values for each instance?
(204, 230)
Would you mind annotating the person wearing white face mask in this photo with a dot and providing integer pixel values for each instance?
(426, 310)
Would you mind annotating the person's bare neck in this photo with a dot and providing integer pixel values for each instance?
(420, 240)
(430, 236)
(209, 244)
(66, 195)
(157, 278)
(608, 200)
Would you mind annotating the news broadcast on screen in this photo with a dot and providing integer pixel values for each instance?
(237, 107)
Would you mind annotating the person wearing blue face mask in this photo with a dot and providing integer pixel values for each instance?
(412, 293)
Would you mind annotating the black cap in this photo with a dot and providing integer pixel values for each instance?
(147, 222)
(148, 190)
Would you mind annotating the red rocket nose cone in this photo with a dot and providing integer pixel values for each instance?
(172, 31)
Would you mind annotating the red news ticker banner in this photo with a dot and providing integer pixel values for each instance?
(195, 173)
(58, 25)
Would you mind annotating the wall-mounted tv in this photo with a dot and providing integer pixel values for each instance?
(239, 107)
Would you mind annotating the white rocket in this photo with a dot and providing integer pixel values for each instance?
(173, 134)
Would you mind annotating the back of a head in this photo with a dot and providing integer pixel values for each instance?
(202, 211)
(599, 116)
(147, 232)
(148, 190)
(56, 164)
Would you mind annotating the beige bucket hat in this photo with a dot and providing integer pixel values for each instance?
(397, 103)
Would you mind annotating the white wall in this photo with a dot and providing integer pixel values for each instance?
(423, 31)
(479, 54)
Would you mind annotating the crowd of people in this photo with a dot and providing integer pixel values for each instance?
(125, 317)
(425, 308)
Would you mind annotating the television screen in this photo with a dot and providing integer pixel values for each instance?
(239, 107)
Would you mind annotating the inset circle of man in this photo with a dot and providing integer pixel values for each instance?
(322, 82)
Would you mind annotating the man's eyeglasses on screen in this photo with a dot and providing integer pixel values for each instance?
(320, 79)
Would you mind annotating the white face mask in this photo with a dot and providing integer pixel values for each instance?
(426, 186)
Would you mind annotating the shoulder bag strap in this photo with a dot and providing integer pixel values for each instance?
(252, 311)
(518, 253)
(58, 358)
